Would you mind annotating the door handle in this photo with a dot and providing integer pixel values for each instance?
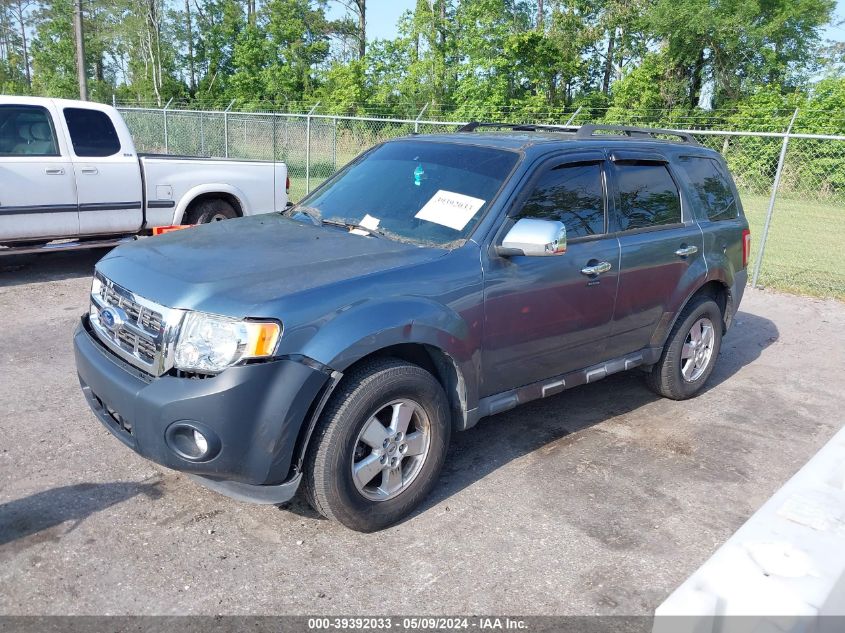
(91, 171)
(686, 251)
(54, 172)
(596, 269)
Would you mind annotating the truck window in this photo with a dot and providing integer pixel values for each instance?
(26, 131)
(572, 194)
(91, 133)
(711, 187)
(648, 195)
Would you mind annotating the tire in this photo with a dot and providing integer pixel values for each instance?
(212, 210)
(667, 376)
(349, 435)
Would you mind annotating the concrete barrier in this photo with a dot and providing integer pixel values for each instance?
(785, 566)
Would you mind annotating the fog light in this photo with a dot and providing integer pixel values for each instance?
(201, 442)
(193, 441)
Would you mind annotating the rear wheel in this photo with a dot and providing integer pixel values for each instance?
(212, 210)
(379, 445)
(691, 351)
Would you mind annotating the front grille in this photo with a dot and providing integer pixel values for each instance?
(145, 318)
(140, 335)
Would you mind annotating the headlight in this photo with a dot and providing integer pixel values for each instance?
(210, 343)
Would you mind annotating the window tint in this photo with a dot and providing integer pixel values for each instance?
(91, 132)
(26, 131)
(572, 194)
(711, 187)
(647, 194)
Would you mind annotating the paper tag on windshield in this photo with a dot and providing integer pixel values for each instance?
(368, 222)
(450, 209)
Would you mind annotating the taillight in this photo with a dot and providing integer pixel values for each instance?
(287, 183)
(746, 247)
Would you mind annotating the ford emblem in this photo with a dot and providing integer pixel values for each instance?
(112, 318)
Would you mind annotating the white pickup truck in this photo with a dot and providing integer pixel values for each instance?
(69, 171)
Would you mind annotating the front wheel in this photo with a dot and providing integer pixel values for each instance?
(691, 351)
(379, 445)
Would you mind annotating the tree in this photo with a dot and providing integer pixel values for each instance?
(738, 44)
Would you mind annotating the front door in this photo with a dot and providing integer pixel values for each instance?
(545, 316)
(37, 189)
(108, 178)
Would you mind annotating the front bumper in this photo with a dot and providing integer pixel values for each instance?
(251, 415)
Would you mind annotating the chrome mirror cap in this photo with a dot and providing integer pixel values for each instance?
(534, 238)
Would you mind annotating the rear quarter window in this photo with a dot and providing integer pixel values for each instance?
(711, 188)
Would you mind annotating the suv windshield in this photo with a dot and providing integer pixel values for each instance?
(425, 192)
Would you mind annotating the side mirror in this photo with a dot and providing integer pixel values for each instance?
(534, 238)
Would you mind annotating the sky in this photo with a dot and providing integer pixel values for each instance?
(382, 16)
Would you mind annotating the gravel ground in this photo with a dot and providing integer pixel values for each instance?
(600, 500)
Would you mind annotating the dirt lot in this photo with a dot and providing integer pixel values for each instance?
(599, 500)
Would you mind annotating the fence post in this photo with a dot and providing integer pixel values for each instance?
(419, 116)
(308, 149)
(574, 116)
(771, 209)
(226, 128)
(166, 139)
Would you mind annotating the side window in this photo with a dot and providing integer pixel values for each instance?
(572, 194)
(711, 187)
(26, 131)
(648, 195)
(91, 133)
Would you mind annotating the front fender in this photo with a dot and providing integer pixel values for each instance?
(376, 324)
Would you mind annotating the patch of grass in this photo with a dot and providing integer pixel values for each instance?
(805, 253)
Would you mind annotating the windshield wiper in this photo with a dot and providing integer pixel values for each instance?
(310, 212)
(352, 226)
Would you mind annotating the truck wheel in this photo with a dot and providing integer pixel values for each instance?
(379, 445)
(690, 353)
(212, 210)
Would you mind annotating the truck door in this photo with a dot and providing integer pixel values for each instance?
(108, 175)
(546, 316)
(37, 189)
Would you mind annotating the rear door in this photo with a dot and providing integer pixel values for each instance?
(37, 189)
(662, 250)
(545, 316)
(108, 176)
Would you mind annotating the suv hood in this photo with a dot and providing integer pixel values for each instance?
(235, 266)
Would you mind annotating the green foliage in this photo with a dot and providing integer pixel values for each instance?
(653, 61)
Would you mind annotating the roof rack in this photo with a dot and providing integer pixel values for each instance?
(589, 131)
(516, 127)
(586, 131)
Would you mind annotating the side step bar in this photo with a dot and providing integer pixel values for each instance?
(500, 402)
(74, 245)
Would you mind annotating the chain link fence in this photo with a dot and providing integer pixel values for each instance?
(799, 242)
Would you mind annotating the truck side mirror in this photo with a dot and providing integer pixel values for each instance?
(534, 238)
